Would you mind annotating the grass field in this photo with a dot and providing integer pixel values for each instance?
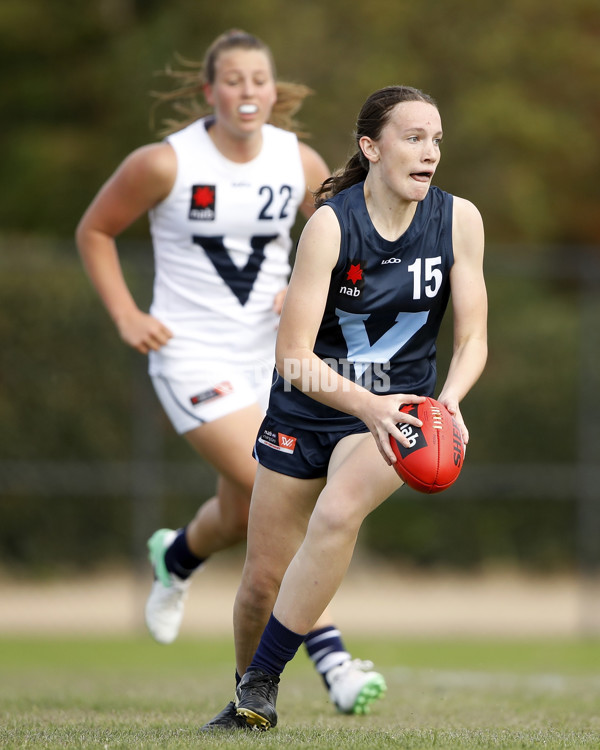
(132, 693)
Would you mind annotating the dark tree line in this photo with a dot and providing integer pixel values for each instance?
(517, 84)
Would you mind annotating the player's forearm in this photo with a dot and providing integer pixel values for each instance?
(101, 262)
(466, 366)
(311, 375)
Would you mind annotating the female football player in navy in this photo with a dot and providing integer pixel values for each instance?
(222, 192)
(375, 267)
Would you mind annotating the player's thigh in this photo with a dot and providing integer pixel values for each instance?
(279, 514)
(358, 474)
(227, 444)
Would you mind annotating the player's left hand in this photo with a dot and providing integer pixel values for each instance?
(454, 409)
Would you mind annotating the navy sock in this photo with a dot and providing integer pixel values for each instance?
(277, 646)
(326, 649)
(179, 559)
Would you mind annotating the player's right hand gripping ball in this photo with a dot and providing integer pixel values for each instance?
(436, 454)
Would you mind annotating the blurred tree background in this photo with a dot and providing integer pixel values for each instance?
(517, 85)
(83, 440)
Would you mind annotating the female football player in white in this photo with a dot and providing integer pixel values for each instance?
(222, 192)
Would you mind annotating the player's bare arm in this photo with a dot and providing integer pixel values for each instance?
(469, 301)
(143, 180)
(316, 172)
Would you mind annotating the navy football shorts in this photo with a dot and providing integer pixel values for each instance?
(296, 452)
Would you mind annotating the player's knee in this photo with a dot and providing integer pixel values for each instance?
(238, 528)
(259, 586)
(333, 521)
(234, 524)
(240, 486)
(234, 516)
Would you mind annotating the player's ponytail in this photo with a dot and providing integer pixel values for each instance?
(355, 171)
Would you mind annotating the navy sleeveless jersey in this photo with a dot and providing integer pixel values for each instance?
(384, 308)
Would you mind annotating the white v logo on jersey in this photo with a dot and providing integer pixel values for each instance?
(360, 350)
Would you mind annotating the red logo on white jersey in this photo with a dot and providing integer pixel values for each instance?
(202, 203)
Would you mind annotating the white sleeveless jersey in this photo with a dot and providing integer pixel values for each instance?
(221, 249)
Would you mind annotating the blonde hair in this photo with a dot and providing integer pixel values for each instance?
(187, 99)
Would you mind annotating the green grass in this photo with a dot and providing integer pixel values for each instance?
(132, 693)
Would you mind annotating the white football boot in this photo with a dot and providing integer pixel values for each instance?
(164, 607)
(353, 686)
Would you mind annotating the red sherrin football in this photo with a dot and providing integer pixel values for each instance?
(435, 457)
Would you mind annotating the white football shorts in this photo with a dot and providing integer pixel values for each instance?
(206, 396)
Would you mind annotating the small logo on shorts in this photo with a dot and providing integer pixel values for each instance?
(202, 206)
(278, 441)
(286, 443)
(221, 389)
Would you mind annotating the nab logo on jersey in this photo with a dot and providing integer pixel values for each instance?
(354, 279)
(202, 206)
